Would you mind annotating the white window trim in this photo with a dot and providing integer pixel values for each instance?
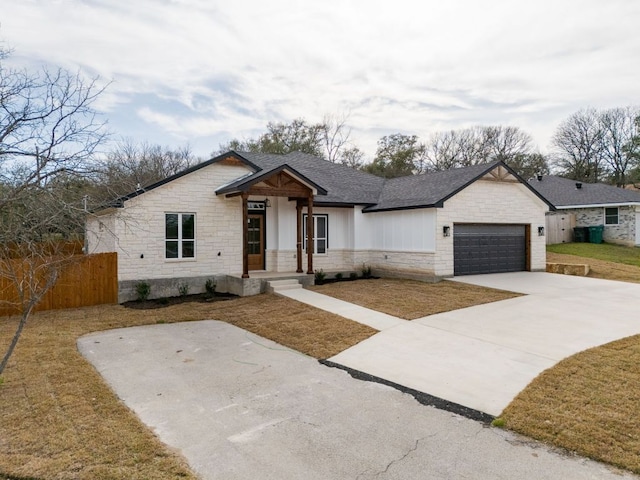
(604, 216)
(315, 230)
(180, 258)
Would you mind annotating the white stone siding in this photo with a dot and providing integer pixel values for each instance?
(101, 234)
(624, 233)
(280, 252)
(140, 227)
(389, 262)
(408, 241)
(496, 202)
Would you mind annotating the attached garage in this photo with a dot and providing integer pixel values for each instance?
(489, 248)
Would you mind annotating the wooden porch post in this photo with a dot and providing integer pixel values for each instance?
(310, 233)
(245, 235)
(299, 236)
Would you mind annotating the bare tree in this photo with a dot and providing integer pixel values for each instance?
(444, 150)
(578, 146)
(632, 150)
(505, 143)
(130, 167)
(336, 138)
(477, 145)
(618, 129)
(48, 134)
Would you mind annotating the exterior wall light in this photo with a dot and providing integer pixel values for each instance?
(541, 231)
(446, 231)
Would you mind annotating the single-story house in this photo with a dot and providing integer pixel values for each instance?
(594, 204)
(242, 216)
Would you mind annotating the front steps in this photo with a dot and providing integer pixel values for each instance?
(275, 286)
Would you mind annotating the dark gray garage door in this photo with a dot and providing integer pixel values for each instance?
(488, 248)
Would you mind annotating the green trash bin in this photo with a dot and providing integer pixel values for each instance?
(595, 233)
(578, 235)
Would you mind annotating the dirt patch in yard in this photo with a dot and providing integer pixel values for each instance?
(411, 299)
(168, 301)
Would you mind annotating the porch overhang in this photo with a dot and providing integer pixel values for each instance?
(281, 181)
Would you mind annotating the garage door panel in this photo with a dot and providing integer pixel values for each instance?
(489, 248)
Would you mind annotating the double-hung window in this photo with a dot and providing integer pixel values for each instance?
(320, 233)
(180, 235)
(611, 216)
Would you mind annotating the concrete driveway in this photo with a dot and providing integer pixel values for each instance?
(238, 406)
(481, 357)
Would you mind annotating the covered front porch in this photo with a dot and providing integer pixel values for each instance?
(278, 183)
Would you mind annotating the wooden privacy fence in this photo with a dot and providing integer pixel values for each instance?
(559, 227)
(87, 280)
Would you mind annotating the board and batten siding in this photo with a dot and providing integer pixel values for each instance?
(402, 230)
(281, 225)
(281, 237)
(395, 242)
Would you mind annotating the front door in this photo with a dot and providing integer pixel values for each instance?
(255, 242)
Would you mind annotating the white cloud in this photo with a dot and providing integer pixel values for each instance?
(395, 66)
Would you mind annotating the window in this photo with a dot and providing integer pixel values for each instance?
(320, 233)
(180, 235)
(611, 216)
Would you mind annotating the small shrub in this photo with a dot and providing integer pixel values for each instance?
(366, 271)
(183, 289)
(339, 276)
(143, 289)
(320, 276)
(353, 276)
(210, 287)
(498, 422)
(1, 381)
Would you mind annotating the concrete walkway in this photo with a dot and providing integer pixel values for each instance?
(366, 316)
(481, 357)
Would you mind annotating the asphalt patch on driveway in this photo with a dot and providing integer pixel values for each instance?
(421, 397)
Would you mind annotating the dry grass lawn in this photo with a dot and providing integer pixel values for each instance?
(588, 403)
(60, 421)
(600, 268)
(411, 299)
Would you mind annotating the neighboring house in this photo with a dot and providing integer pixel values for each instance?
(595, 204)
(240, 215)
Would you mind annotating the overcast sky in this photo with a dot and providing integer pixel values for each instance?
(205, 71)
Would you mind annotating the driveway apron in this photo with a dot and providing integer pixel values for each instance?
(481, 357)
(238, 406)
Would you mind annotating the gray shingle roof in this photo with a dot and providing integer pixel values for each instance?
(562, 192)
(427, 190)
(347, 186)
(344, 185)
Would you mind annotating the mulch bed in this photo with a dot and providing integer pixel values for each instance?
(167, 301)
